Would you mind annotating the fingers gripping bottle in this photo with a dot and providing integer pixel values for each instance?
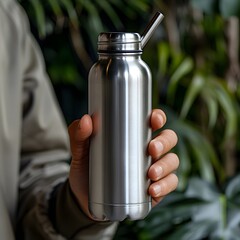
(120, 106)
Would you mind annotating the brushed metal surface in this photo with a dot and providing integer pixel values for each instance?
(120, 104)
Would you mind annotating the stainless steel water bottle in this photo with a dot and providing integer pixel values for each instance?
(120, 105)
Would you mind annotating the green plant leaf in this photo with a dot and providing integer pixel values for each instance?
(193, 231)
(234, 220)
(111, 13)
(212, 156)
(185, 164)
(55, 7)
(173, 210)
(40, 17)
(203, 161)
(71, 11)
(195, 87)
(204, 153)
(201, 189)
(231, 233)
(139, 5)
(233, 187)
(207, 6)
(184, 68)
(163, 57)
(203, 156)
(229, 8)
(212, 106)
(176, 59)
(226, 103)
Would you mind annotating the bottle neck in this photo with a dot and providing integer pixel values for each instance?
(120, 55)
(123, 48)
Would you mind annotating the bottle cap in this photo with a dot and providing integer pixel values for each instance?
(115, 42)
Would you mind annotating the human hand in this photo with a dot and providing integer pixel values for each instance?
(164, 163)
(79, 133)
(160, 172)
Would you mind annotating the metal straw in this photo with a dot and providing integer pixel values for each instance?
(151, 27)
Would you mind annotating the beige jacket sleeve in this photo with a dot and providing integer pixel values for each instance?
(46, 208)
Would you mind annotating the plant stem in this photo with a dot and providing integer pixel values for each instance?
(223, 204)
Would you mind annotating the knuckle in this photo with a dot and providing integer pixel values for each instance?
(168, 138)
(165, 166)
(164, 187)
(174, 160)
(173, 135)
(174, 181)
(160, 112)
(169, 184)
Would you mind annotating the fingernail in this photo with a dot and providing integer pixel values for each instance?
(155, 173)
(158, 146)
(158, 172)
(157, 189)
(159, 118)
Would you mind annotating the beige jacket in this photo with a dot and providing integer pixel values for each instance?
(35, 198)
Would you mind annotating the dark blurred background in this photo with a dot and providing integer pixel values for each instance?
(194, 59)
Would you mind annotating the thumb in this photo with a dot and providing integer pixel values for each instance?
(79, 133)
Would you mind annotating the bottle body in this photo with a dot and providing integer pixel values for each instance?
(120, 105)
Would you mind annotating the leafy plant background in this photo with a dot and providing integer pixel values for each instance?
(194, 59)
